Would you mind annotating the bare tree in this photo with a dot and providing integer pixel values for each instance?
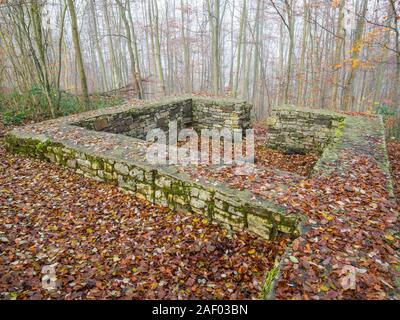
(78, 52)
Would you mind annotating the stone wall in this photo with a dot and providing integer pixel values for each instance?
(201, 113)
(104, 145)
(209, 113)
(137, 122)
(165, 186)
(303, 131)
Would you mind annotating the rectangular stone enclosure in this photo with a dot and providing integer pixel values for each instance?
(303, 131)
(107, 145)
(196, 113)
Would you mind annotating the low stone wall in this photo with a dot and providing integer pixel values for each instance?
(137, 122)
(303, 131)
(166, 187)
(209, 113)
(357, 137)
(201, 113)
(120, 160)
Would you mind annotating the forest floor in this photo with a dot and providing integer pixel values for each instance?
(351, 222)
(105, 244)
(271, 173)
(394, 156)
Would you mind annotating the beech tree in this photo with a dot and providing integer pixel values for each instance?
(78, 51)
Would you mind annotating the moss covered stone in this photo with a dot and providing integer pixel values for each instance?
(296, 130)
(119, 159)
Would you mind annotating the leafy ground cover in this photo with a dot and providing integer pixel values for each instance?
(394, 155)
(265, 157)
(109, 245)
(106, 244)
(272, 172)
(351, 227)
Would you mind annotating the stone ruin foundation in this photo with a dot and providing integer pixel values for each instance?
(302, 131)
(107, 145)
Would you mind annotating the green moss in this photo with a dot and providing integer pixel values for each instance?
(41, 147)
(211, 206)
(268, 287)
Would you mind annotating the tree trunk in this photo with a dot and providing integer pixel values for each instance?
(243, 22)
(116, 79)
(396, 19)
(157, 47)
(302, 71)
(186, 50)
(40, 58)
(98, 48)
(78, 53)
(137, 82)
(338, 54)
(348, 94)
(214, 19)
(290, 25)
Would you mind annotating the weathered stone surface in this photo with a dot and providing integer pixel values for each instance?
(296, 130)
(71, 163)
(210, 113)
(121, 168)
(362, 136)
(259, 225)
(201, 113)
(120, 158)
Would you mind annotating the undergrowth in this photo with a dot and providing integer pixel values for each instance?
(18, 108)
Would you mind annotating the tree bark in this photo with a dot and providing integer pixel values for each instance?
(243, 22)
(348, 94)
(214, 20)
(78, 53)
(136, 80)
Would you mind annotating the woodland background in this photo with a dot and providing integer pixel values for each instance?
(64, 56)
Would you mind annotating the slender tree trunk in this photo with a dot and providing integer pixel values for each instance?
(98, 48)
(338, 54)
(63, 14)
(232, 53)
(157, 46)
(396, 26)
(281, 72)
(257, 26)
(78, 53)
(290, 25)
(136, 80)
(186, 50)
(243, 22)
(214, 18)
(40, 58)
(348, 95)
(116, 79)
(246, 70)
(136, 53)
(302, 70)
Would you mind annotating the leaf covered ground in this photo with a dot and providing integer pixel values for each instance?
(107, 245)
(265, 157)
(349, 248)
(394, 156)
